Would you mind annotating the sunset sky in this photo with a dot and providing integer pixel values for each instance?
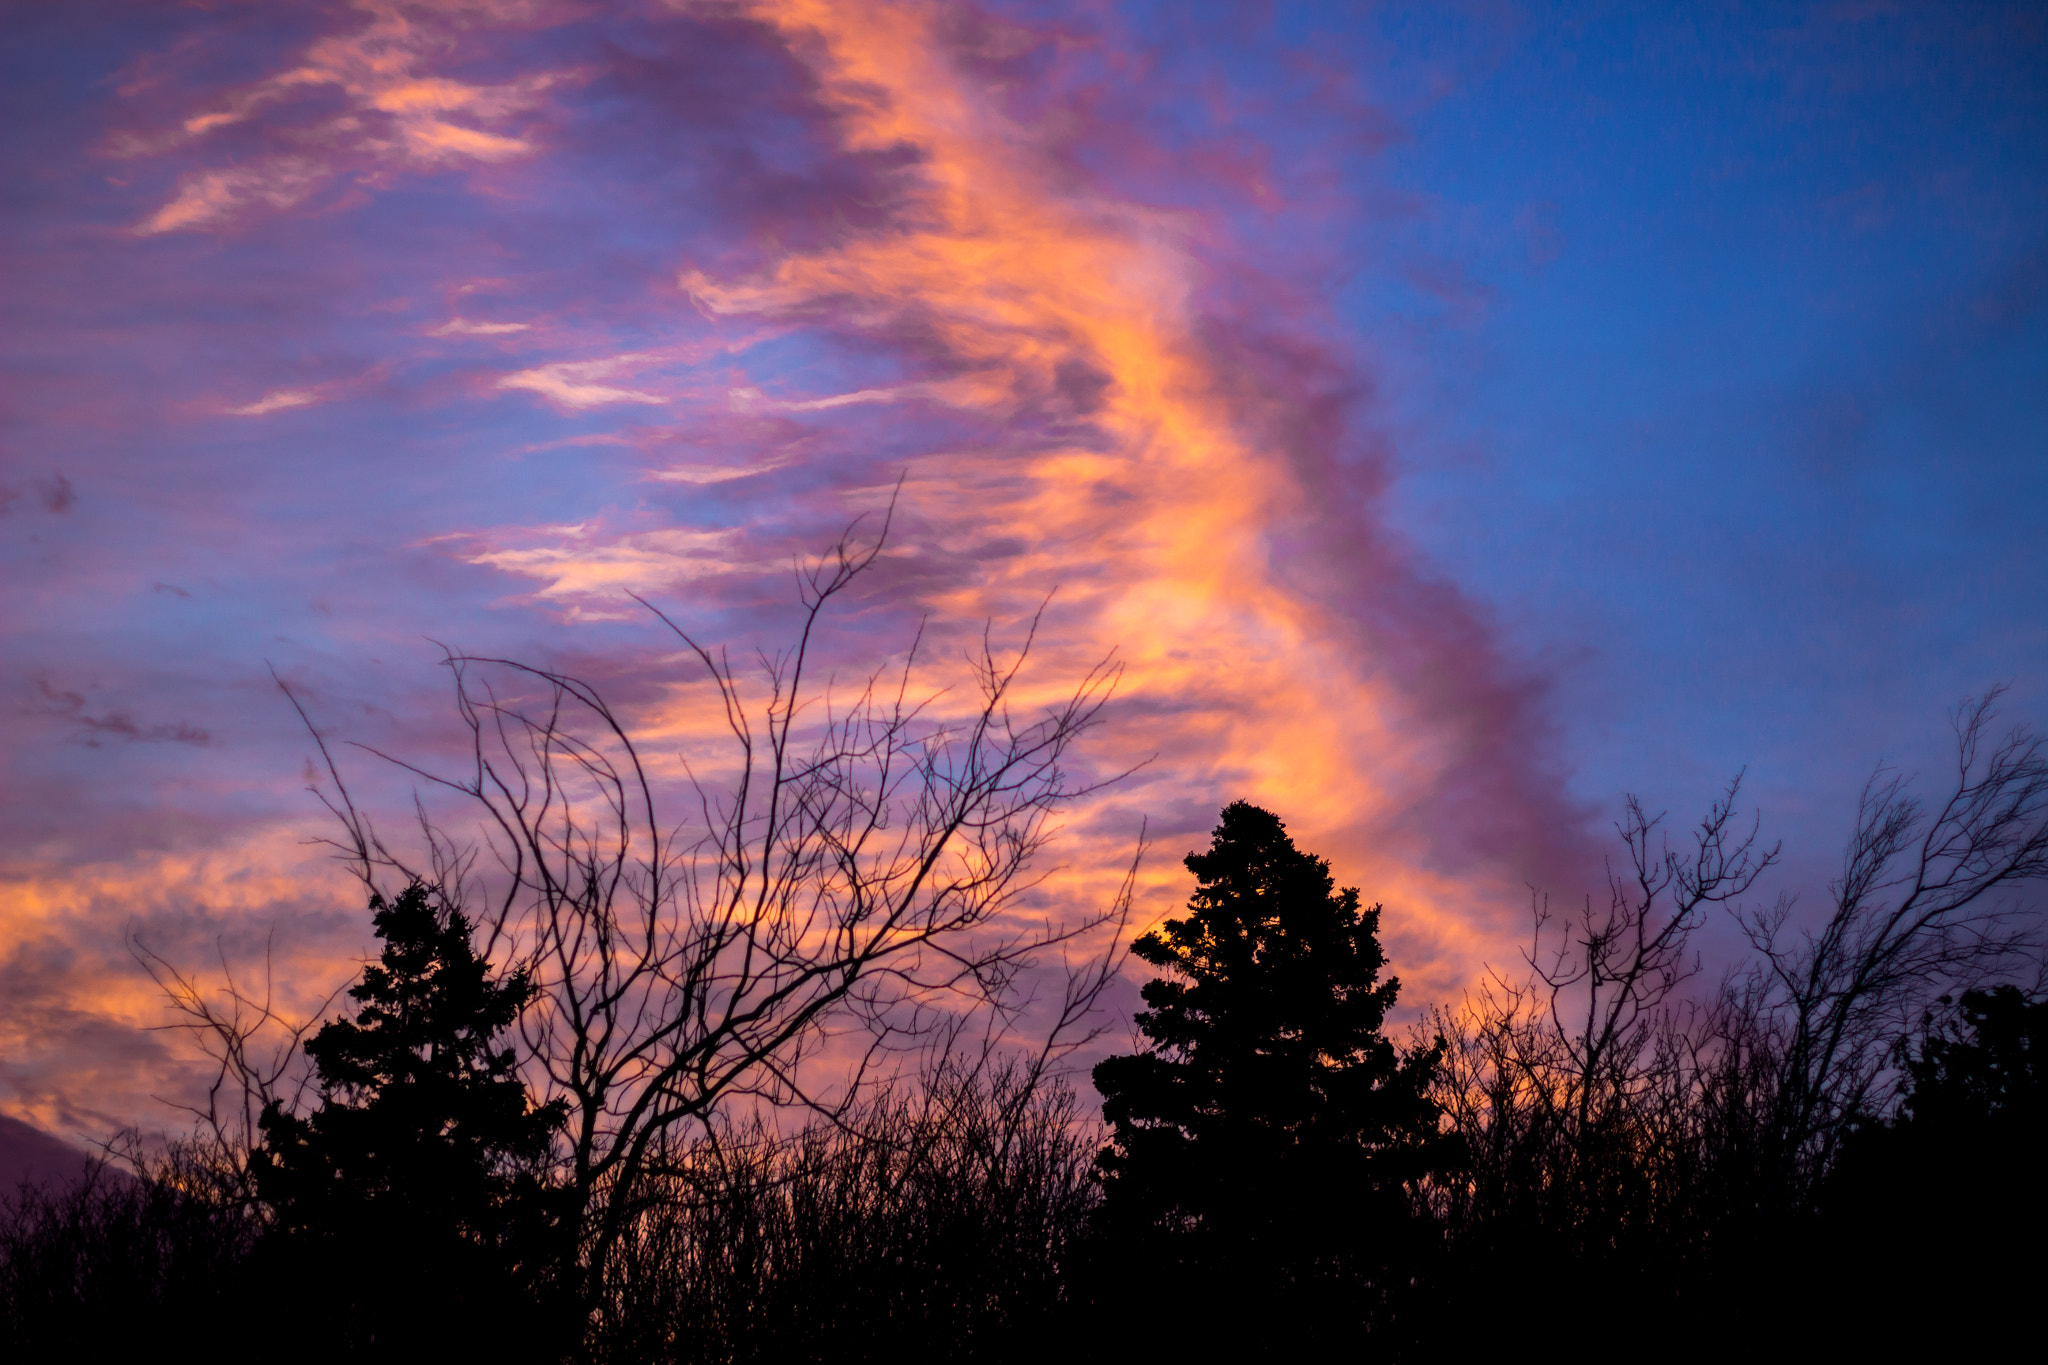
(1453, 416)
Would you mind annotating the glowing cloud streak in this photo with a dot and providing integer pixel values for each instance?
(1047, 366)
(1159, 515)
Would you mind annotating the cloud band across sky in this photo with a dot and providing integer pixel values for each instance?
(346, 328)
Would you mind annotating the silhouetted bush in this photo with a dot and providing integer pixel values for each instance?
(412, 1211)
(935, 1223)
(1673, 1152)
(113, 1266)
(1950, 1195)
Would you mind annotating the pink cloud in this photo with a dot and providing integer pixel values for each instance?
(754, 268)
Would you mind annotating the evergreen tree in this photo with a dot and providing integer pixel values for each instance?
(1987, 1070)
(1930, 1223)
(416, 1191)
(1264, 1146)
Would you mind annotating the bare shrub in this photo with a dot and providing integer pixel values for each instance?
(934, 1221)
(1611, 1120)
(109, 1265)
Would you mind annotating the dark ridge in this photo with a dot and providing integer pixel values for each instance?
(30, 1156)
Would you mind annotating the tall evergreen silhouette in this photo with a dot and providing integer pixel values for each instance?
(415, 1193)
(1266, 1142)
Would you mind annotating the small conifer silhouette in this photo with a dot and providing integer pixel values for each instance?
(416, 1189)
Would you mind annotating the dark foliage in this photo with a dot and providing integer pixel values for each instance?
(863, 861)
(1951, 1192)
(1678, 1155)
(937, 1222)
(408, 1215)
(1602, 1127)
(934, 1224)
(1266, 1146)
(415, 1195)
(113, 1266)
(1983, 1071)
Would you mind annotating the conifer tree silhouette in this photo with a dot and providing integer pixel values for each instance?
(416, 1191)
(1267, 1139)
(1952, 1187)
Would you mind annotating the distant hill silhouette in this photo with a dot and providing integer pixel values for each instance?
(27, 1153)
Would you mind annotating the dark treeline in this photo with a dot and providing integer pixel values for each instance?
(1275, 1172)
(571, 1117)
(1474, 1184)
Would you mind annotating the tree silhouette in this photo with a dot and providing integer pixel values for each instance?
(1266, 1143)
(1988, 1069)
(416, 1190)
(1951, 1190)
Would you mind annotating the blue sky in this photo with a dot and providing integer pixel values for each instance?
(1746, 429)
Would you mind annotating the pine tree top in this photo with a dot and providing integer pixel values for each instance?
(419, 1105)
(1272, 957)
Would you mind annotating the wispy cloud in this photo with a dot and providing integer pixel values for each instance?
(397, 115)
(90, 728)
(463, 327)
(277, 400)
(715, 473)
(751, 399)
(584, 563)
(207, 198)
(571, 384)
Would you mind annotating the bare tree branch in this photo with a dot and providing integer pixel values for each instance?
(852, 884)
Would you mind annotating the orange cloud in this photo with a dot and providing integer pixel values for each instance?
(1163, 533)
(1115, 453)
(396, 114)
(212, 197)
